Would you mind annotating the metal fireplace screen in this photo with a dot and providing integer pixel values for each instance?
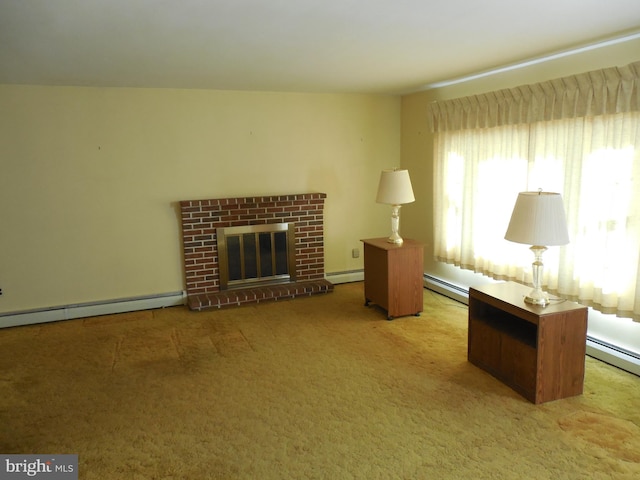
(256, 255)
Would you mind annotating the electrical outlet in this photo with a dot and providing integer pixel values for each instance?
(355, 253)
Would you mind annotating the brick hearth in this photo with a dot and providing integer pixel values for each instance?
(201, 218)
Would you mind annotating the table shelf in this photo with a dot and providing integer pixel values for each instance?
(537, 351)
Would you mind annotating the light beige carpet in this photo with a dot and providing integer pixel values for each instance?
(311, 388)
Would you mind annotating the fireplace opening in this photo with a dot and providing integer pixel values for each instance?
(253, 255)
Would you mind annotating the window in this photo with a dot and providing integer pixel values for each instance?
(581, 142)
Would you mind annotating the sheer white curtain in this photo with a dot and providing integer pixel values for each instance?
(579, 136)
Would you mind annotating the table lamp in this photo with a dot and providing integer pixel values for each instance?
(538, 219)
(395, 189)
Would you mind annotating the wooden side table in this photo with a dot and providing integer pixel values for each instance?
(393, 276)
(537, 351)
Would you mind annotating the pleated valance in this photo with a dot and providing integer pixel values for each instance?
(600, 92)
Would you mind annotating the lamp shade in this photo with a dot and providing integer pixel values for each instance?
(538, 218)
(395, 187)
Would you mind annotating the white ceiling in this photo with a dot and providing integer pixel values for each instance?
(377, 46)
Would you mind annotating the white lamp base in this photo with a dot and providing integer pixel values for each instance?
(395, 224)
(537, 296)
(396, 239)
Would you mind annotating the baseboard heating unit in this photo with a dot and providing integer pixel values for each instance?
(92, 309)
(447, 289)
(613, 355)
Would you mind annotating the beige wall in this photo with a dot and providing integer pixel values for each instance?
(417, 140)
(90, 177)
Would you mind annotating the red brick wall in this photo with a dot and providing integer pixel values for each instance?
(200, 218)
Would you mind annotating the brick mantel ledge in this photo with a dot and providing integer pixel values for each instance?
(236, 298)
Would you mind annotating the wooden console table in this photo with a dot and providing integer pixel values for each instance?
(537, 351)
(393, 276)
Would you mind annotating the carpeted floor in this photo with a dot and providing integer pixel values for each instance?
(311, 388)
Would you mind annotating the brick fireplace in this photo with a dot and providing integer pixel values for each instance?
(202, 218)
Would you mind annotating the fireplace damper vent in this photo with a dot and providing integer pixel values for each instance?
(253, 255)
